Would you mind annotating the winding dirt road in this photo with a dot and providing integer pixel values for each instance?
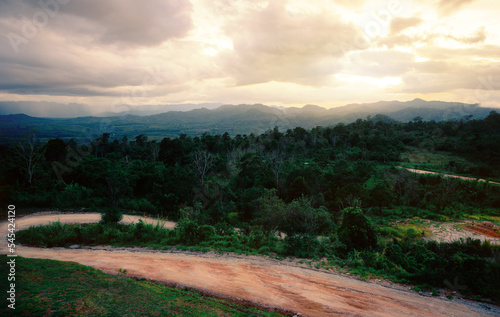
(450, 175)
(263, 281)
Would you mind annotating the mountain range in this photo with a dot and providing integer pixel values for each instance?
(234, 119)
(43, 109)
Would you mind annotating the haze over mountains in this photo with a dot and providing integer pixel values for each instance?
(44, 109)
(234, 119)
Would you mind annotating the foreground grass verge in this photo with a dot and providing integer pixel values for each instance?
(56, 288)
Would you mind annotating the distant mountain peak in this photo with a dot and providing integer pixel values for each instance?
(313, 108)
(418, 100)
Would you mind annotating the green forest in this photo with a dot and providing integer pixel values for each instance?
(341, 195)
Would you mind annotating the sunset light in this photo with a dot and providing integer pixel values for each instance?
(96, 53)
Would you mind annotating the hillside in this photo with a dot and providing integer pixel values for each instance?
(389, 201)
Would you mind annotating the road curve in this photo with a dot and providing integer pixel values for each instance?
(263, 281)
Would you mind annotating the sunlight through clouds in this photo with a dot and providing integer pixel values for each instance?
(383, 82)
(323, 51)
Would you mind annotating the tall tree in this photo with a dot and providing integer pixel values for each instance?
(155, 151)
(278, 156)
(202, 161)
(30, 151)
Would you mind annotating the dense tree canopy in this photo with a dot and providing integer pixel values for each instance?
(329, 167)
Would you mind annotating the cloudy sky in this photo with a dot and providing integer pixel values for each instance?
(107, 53)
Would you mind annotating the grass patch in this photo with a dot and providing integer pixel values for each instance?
(494, 219)
(436, 161)
(411, 229)
(48, 287)
(186, 236)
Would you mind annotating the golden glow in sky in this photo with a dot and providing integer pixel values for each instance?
(106, 53)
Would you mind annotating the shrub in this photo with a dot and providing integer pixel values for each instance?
(301, 217)
(191, 233)
(111, 215)
(302, 246)
(357, 231)
(142, 205)
(223, 229)
(74, 195)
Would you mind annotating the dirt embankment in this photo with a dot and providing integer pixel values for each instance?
(485, 229)
(267, 282)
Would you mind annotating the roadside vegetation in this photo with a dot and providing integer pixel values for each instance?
(59, 288)
(337, 194)
(389, 252)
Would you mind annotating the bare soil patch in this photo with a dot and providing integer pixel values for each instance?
(486, 229)
(454, 231)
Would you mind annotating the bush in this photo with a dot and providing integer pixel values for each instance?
(190, 233)
(34, 198)
(302, 246)
(53, 235)
(357, 231)
(223, 229)
(300, 217)
(74, 195)
(142, 205)
(111, 215)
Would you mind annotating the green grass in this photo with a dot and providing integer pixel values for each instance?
(48, 287)
(409, 229)
(494, 219)
(439, 162)
(434, 161)
(193, 238)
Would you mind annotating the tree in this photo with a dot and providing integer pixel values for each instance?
(101, 143)
(141, 140)
(356, 231)
(202, 161)
(271, 211)
(171, 151)
(254, 171)
(380, 196)
(111, 215)
(55, 150)
(449, 189)
(302, 218)
(155, 151)
(30, 152)
(278, 157)
(417, 119)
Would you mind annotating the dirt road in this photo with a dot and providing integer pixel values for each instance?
(263, 281)
(450, 175)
